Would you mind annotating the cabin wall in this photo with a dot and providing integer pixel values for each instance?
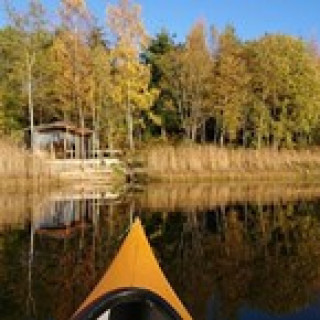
(62, 145)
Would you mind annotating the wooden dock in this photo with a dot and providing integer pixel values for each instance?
(87, 169)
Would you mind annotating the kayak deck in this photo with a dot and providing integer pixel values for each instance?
(135, 285)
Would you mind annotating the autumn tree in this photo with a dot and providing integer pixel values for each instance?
(32, 26)
(73, 65)
(102, 114)
(12, 100)
(75, 53)
(285, 84)
(197, 72)
(130, 92)
(230, 85)
(185, 78)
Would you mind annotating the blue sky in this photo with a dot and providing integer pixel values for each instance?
(251, 18)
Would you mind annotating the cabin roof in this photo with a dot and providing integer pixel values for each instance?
(62, 125)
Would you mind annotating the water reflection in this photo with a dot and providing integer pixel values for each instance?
(267, 258)
(51, 257)
(186, 197)
(231, 252)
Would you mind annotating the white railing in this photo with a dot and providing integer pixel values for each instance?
(69, 165)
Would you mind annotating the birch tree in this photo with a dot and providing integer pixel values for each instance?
(32, 25)
(75, 58)
(13, 102)
(186, 82)
(198, 80)
(231, 85)
(102, 114)
(130, 93)
(75, 54)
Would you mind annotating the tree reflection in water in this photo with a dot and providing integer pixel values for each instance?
(263, 257)
(230, 258)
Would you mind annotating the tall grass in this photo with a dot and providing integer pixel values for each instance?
(19, 169)
(210, 162)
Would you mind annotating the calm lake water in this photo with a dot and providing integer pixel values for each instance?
(230, 251)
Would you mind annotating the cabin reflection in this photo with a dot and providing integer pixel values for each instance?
(63, 217)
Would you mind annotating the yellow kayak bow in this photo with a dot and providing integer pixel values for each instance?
(134, 287)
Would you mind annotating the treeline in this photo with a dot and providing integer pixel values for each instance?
(257, 93)
(130, 88)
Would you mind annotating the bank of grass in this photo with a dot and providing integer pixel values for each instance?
(210, 163)
(20, 170)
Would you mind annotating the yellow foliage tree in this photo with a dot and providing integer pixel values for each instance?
(103, 115)
(131, 78)
(197, 81)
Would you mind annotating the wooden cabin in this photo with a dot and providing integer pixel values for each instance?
(61, 140)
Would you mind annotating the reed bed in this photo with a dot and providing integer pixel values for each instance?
(214, 163)
(20, 170)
